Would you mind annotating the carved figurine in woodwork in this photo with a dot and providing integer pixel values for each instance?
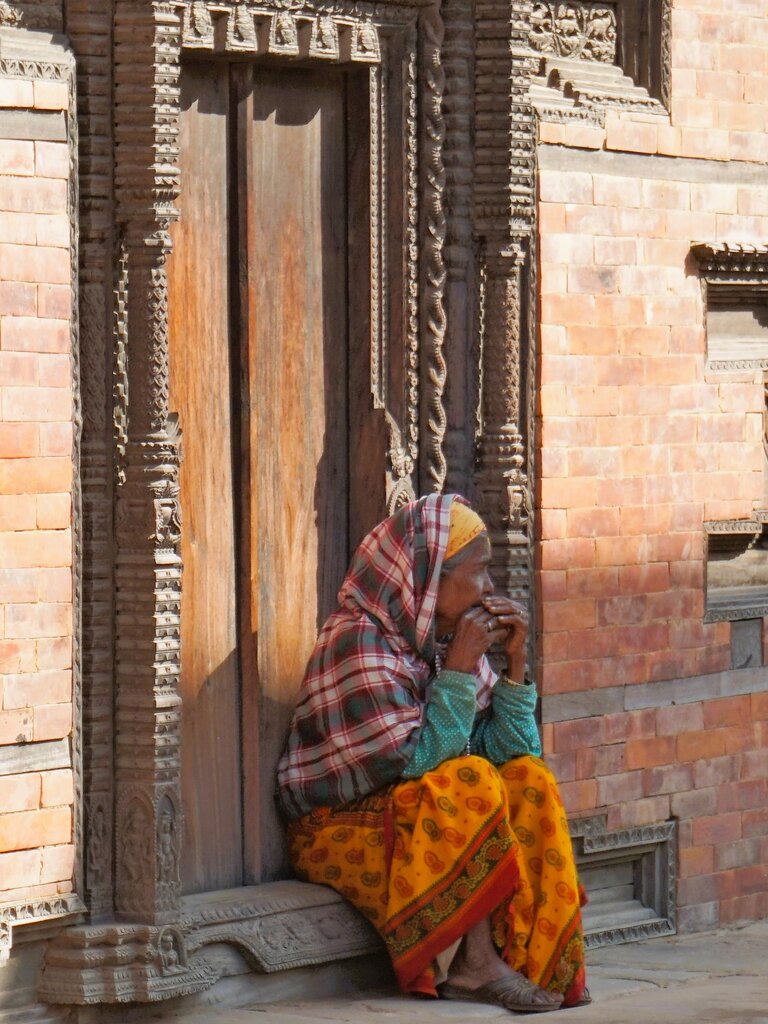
(167, 846)
(412, 777)
(136, 843)
(541, 35)
(285, 31)
(568, 31)
(601, 36)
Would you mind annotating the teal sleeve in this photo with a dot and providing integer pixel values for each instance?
(510, 729)
(448, 721)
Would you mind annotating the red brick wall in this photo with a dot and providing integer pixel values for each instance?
(36, 436)
(640, 444)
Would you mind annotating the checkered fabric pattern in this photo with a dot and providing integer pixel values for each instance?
(362, 702)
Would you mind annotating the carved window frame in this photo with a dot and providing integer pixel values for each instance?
(632, 35)
(652, 852)
(731, 271)
(735, 533)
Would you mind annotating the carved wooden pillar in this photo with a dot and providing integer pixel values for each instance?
(148, 565)
(461, 293)
(502, 477)
(505, 148)
(434, 466)
(86, 22)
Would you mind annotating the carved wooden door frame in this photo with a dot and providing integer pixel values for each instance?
(149, 44)
(132, 722)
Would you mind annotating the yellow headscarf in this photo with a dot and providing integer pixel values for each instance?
(465, 525)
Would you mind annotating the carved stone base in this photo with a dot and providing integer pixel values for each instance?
(276, 926)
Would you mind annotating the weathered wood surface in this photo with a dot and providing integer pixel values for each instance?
(297, 405)
(200, 363)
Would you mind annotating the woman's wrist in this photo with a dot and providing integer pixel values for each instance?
(516, 669)
(458, 665)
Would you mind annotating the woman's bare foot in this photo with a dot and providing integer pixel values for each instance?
(477, 964)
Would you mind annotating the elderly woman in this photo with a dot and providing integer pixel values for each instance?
(412, 777)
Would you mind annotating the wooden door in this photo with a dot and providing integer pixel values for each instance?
(201, 393)
(270, 375)
(293, 187)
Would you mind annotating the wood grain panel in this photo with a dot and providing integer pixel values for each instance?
(201, 394)
(297, 369)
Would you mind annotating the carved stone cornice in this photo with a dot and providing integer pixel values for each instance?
(13, 915)
(328, 30)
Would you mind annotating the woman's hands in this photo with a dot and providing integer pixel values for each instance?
(514, 618)
(497, 619)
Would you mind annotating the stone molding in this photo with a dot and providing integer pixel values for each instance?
(32, 14)
(566, 707)
(53, 908)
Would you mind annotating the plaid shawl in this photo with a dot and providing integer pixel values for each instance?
(362, 702)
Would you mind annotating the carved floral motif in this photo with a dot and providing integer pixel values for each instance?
(33, 14)
(9, 15)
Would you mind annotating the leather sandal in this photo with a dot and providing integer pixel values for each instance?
(513, 994)
(585, 1000)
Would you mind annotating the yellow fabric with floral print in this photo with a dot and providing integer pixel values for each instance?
(426, 860)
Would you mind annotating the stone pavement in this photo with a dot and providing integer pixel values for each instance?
(707, 978)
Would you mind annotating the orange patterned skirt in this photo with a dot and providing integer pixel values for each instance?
(426, 860)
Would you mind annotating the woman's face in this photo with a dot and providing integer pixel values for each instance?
(464, 585)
